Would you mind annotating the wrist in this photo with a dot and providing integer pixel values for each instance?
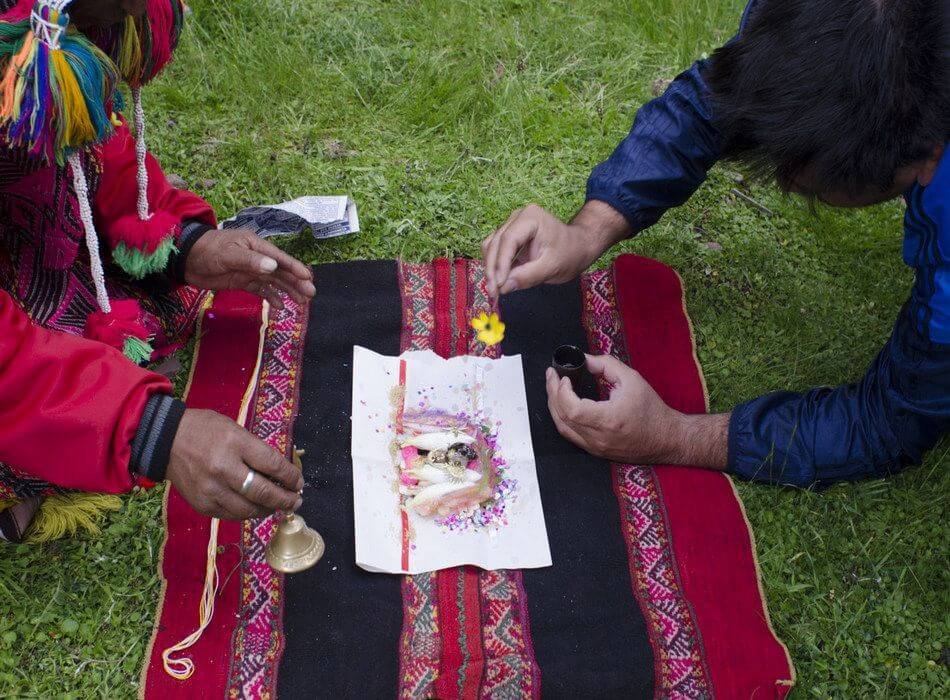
(152, 444)
(191, 233)
(599, 226)
(697, 440)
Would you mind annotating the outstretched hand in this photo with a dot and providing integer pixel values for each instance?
(239, 259)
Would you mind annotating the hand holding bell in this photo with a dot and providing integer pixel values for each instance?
(294, 547)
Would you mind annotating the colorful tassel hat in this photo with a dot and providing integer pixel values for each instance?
(58, 97)
(140, 48)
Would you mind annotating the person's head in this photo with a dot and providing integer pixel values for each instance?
(100, 14)
(845, 100)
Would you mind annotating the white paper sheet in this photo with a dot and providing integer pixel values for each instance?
(509, 533)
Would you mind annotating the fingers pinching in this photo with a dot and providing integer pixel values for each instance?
(491, 254)
(491, 251)
(525, 276)
(517, 236)
(486, 244)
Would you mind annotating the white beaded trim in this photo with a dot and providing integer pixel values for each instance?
(141, 174)
(81, 186)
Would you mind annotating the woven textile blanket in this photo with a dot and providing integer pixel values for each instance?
(654, 591)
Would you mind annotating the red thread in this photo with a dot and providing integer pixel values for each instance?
(400, 409)
(462, 329)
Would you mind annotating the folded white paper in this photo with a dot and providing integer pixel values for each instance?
(402, 526)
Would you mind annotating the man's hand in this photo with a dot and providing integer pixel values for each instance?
(535, 247)
(239, 259)
(635, 426)
(210, 460)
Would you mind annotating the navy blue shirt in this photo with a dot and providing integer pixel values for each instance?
(874, 427)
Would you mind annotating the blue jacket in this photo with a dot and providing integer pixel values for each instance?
(872, 428)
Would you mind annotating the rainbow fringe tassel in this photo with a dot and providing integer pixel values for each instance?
(55, 96)
(143, 47)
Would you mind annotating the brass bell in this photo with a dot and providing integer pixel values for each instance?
(294, 547)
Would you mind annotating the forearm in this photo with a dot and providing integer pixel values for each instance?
(665, 157)
(872, 428)
(61, 391)
(698, 441)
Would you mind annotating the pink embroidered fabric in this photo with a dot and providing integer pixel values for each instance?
(44, 263)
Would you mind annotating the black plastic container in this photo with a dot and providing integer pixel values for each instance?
(569, 361)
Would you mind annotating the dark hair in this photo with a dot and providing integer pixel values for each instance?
(847, 90)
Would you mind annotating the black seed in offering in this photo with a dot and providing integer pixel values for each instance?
(464, 450)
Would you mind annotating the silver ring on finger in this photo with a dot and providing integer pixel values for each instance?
(248, 480)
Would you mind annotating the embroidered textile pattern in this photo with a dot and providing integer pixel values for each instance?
(417, 284)
(40, 240)
(44, 262)
(419, 645)
(465, 631)
(510, 671)
(15, 486)
(258, 637)
(674, 636)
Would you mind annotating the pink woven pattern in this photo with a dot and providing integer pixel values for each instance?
(258, 637)
(680, 670)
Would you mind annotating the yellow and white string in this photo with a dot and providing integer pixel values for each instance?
(182, 669)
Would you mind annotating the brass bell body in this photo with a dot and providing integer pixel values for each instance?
(294, 547)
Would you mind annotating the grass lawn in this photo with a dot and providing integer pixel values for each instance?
(439, 118)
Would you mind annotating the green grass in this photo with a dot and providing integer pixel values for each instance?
(439, 118)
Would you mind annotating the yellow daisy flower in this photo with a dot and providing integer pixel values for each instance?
(489, 328)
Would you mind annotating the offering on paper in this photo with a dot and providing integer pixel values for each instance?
(443, 468)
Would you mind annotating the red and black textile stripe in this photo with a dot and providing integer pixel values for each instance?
(654, 589)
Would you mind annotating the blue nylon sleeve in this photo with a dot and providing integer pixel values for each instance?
(664, 158)
(667, 154)
(927, 250)
(872, 428)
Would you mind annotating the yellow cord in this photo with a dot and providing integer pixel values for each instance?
(182, 669)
